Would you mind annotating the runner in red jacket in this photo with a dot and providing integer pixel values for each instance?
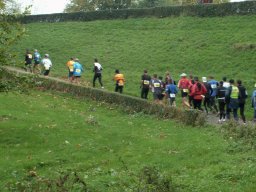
(198, 91)
(184, 85)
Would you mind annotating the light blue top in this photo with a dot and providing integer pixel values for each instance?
(78, 69)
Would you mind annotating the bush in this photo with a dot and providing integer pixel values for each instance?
(247, 134)
(128, 103)
(201, 10)
(149, 179)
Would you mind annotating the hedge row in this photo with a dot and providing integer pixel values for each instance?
(201, 10)
(125, 102)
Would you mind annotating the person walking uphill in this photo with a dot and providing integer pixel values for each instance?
(157, 89)
(232, 95)
(28, 61)
(78, 69)
(220, 94)
(97, 69)
(70, 66)
(47, 64)
(198, 91)
(171, 90)
(119, 78)
(254, 102)
(214, 84)
(241, 99)
(37, 59)
(184, 85)
(145, 83)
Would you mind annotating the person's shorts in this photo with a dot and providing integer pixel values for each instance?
(157, 96)
(184, 94)
(70, 74)
(172, 100)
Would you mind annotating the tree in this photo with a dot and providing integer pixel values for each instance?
(94, 5)
(10, 32)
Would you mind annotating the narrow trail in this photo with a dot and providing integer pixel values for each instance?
(212, 119)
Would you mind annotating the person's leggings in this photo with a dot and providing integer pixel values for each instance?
(222, 109)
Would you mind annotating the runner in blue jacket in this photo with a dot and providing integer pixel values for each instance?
(214, 84)
(78, 69)
(171, 90)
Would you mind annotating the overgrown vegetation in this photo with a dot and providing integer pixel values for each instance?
(149, 179)
(197, 46)
(128, 103)
(210, 10)
(55, 141)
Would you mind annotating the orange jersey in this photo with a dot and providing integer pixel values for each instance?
(119, 78)
(70, 64)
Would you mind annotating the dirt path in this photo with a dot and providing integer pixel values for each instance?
(212, 119)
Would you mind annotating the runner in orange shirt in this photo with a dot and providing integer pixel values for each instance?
(119, 78)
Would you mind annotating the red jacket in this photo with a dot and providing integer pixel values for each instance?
(197, 93)
(184, 83)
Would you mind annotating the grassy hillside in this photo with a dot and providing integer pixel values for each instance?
(48, 134)
(200, 46)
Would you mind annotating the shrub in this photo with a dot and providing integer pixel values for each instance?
(128, 103)
(244, 46)
(233, 130)
(201, 10)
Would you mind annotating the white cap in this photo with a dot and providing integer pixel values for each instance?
(183, 75)
(46, 55)
(204, 79)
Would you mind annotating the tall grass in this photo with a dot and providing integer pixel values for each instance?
(46, 136)
(220, 46)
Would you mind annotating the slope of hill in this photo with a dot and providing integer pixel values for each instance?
(45, 136)
(219, 46)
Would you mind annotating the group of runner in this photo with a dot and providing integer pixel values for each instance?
(231, 95)
(75, 70)
(35, 64)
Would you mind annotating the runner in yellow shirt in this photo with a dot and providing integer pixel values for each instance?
(70, 65)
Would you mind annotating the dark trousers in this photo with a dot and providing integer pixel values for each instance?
(190, 100)
(234, 110)
(241, 107)
(119, 88)
(46, 72)
(197, 104)
(222, 109)
(97, 76)
(207, 104)
(144, 92)
(213, 103)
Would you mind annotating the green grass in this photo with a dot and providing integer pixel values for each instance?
(218, 46)
(49, 133)
(201, 46)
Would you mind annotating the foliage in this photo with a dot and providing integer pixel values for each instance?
(48, 136)
(148, 179)
(12, 82)
(211, 10)
(10, 32)
(128, 103)
(88, 5)
(245, 133)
